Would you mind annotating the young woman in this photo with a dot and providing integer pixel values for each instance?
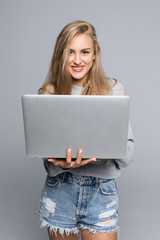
(81, 196)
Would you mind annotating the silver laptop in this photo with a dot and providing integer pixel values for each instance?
(97, 124)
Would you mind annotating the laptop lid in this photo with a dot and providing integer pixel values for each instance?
(97, 124)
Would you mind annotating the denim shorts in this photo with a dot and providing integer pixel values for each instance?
(71, 203)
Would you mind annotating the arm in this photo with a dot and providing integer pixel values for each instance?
(122, 163)
(119, 89)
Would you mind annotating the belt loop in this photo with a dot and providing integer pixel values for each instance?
(63, 176)
(97, 182)
(80, 180)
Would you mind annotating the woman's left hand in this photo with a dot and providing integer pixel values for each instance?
(68, 163)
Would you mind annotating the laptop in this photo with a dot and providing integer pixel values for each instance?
(97, 124)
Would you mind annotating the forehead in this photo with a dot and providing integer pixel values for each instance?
(81, 41)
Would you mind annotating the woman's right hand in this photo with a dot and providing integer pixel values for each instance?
(68, 163)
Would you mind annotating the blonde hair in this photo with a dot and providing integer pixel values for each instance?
(59, 80)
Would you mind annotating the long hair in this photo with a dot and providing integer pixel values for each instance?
(59, 79)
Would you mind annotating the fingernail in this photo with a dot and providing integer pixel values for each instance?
(69, 149)
(80, 151)
(50, 160)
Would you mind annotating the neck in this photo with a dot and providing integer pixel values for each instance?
(78, 82)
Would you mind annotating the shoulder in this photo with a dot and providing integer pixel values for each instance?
(49, 89)
(117, 87)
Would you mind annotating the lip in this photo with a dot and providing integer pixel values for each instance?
(77, 68)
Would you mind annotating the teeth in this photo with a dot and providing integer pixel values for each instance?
(77, 67)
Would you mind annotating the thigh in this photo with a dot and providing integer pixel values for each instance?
(86, 235)
(102, 209)
(58, 206)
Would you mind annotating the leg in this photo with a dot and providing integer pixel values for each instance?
(102, 214)
(86, 235)
(58, 236)
(55, 208)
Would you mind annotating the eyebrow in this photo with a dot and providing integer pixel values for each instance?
(86, 49)
(82, 49)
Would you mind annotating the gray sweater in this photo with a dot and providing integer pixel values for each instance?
(106, 168)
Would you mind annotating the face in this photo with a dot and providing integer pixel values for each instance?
(81, 57)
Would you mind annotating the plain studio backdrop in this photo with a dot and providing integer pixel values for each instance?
(129, 36)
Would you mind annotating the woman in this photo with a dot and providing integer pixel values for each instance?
(81, 196)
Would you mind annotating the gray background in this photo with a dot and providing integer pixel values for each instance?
(128, 32)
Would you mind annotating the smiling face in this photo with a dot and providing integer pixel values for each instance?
(80, 59)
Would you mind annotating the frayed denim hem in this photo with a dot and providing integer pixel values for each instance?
(94, 231)
(62, 231)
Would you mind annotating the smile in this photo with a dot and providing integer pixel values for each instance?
(77, 69)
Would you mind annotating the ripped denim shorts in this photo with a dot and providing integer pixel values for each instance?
(71, 203)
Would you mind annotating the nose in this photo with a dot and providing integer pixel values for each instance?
(77, 59)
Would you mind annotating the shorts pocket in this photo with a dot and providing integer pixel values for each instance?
(108, 187)
(52, 181)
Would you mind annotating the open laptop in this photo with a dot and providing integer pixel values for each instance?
(97, 124)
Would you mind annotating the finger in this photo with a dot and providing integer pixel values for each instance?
(83, 162)
(86, 161)
(69, 155)
(51, 159)
(60, 163)
(54, 161)
(79, 157)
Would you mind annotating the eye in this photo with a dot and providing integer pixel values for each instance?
(85, 52)
(70, 51)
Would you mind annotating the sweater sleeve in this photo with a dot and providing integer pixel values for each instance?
(119, 89)
(122, 163)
